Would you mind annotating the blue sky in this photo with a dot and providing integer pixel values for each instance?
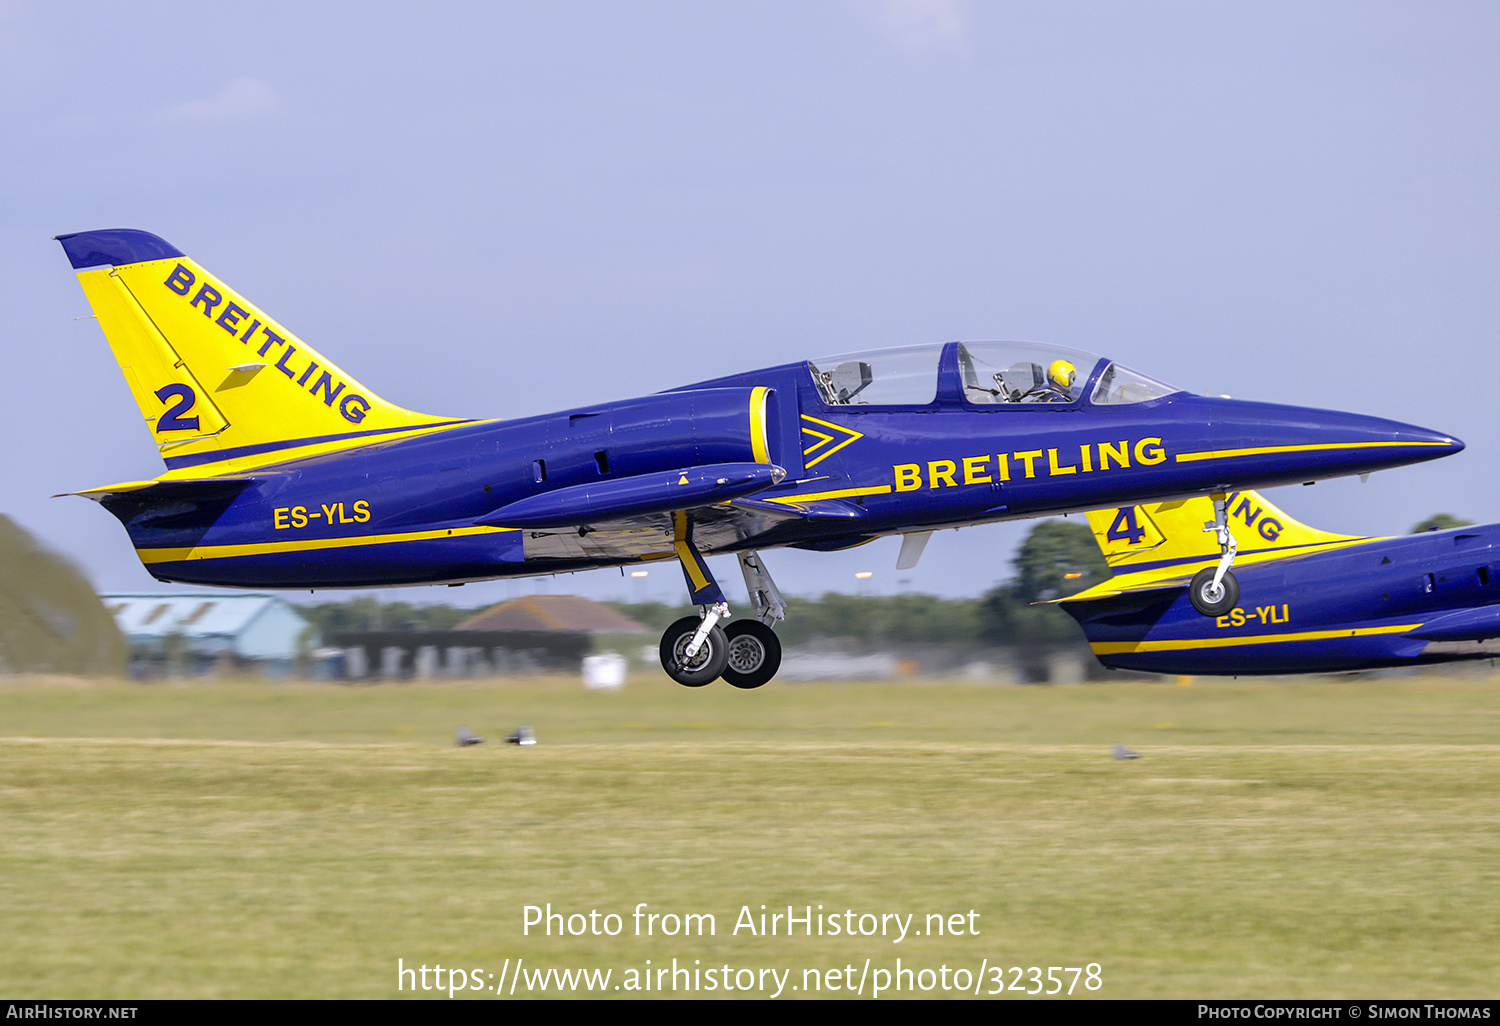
(498, 209)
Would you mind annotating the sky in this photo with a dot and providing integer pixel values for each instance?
(504, 208)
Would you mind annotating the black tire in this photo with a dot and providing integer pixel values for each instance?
(710, 661)
(1201, 592)
(754, 654)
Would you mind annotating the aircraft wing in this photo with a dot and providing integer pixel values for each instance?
(1180, 575)
(1131, 584)
(719, 527)
(715, 507)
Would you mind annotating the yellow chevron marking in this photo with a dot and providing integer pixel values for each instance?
(824, 439)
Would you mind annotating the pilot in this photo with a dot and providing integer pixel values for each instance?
(1058, 387)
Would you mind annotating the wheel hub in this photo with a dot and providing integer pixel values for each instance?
(746, 654)
(679, 651)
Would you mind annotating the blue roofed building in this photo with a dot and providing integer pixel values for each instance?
(190, 635)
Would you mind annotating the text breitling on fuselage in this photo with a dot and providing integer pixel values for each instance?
(1031, 463)
(208, 298)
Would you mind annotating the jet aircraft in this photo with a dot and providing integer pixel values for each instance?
(283, 471)
(1322, 602)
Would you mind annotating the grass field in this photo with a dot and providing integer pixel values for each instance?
(1290, 838)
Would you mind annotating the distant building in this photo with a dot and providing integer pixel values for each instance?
(192, 634)
(572, 614)
(525, 635)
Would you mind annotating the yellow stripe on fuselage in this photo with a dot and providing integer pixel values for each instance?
(1273, 450)
(293, 451)
(1179, 572)
(842, 493)
(305, 545)
(1126, 647)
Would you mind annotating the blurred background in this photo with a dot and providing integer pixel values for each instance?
(500, 209)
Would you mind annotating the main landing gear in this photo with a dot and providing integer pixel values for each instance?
(695, 651)
(754, 653)
(747, 653)
(1214, 591)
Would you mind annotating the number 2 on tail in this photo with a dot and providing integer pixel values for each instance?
(173, 420)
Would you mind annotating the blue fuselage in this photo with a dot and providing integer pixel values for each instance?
(1424, 598)
(431, 508)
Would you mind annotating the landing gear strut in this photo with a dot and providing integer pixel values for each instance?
(1215, 591)
(754, 648)
(696, 650)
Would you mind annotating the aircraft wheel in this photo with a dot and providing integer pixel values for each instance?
(754, 653)
(706, 666)
(1211, 601)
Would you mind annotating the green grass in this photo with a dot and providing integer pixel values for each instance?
(1277, 839)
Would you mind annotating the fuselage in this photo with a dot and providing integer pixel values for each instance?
(407, 508)
(1432, 597)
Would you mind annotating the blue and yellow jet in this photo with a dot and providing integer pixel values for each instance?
(1322, 602)
(283, 471)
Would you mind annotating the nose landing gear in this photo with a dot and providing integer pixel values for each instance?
(1215, 591)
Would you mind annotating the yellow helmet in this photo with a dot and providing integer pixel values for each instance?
(1061, 374)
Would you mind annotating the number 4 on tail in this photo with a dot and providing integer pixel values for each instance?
(1125, 528)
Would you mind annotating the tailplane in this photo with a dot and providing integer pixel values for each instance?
(216, 379)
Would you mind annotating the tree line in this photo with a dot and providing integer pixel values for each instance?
(1057, 558)
(1052, 550)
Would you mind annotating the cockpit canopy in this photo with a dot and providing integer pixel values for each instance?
(992, 373)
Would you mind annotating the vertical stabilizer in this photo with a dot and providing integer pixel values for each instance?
(216, 379)
(1136, 538)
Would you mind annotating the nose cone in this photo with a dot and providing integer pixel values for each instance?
(1292, 443)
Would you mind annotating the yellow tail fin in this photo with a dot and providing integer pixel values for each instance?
(1141, 537)
(216, 379)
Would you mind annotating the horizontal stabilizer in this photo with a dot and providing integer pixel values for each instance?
(1118, 586)
(635, 496)
(179, 508)
(168, 488)
(115, 489)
